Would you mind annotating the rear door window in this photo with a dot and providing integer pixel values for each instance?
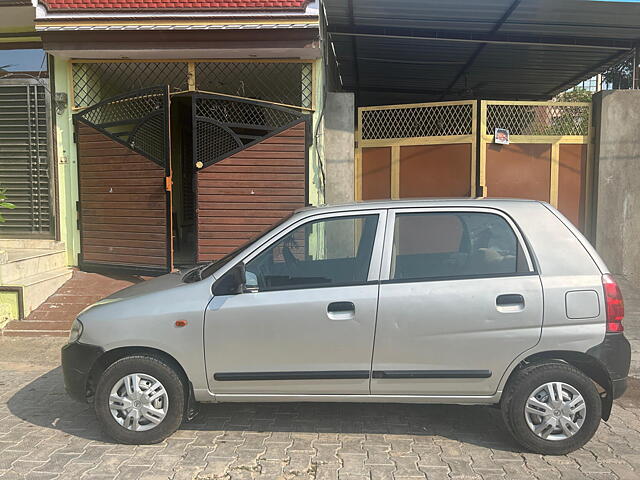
(454, 245)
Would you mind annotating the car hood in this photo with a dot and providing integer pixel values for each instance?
(158, 284)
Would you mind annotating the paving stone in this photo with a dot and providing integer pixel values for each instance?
(57, 462)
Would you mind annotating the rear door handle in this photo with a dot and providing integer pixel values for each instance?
(510, 302)
(341, 311)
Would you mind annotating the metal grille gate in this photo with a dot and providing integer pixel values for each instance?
(416, 150)
(125, 183)
(25, 158)
(250, 159)
(448, 149)
(224, 125)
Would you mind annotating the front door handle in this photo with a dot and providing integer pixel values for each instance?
(341, 311)
(510, 302)
(509, 299)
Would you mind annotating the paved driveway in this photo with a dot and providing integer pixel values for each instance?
(44, 434)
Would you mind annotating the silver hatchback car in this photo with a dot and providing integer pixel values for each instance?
(496, 302)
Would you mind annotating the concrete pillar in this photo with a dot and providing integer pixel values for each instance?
(338, 144)
(617, 157)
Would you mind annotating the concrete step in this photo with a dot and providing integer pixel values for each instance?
(37, 288)
(29, 243)
(19, 328)
(19, 300)
(22, 263)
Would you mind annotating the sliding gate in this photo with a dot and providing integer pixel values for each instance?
(449, 150)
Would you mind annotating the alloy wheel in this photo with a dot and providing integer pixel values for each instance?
(555, 411)
(138, 402)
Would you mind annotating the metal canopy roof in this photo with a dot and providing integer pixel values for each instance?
(394, 51)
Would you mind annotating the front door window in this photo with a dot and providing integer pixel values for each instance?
(322, 253)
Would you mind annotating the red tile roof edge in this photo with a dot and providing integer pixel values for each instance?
(176, 5)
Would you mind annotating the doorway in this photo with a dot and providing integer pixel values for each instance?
(182, 173)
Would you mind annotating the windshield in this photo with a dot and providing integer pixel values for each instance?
(206, 270)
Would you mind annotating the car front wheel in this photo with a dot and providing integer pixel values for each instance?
(551, 408)
(140, 400)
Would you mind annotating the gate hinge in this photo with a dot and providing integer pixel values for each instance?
(75, 136)
(78, 224)
(168, 184)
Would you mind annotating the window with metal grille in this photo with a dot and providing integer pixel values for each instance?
(94, 82)
(286, 82)
(24, 158)
(280, 82)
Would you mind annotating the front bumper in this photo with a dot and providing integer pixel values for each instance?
(77, 361)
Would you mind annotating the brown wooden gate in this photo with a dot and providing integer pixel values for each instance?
(548, 157)
(124, 180)
(251, 169)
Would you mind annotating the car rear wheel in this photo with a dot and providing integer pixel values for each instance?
(551, 408)
(139, 400)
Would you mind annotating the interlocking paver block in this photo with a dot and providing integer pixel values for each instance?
(216, 466)
(326, 455)
(57, 462)
(353, 463)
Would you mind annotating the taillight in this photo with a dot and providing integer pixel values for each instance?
(614, 304)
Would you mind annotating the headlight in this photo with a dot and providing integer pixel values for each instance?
(76, 331)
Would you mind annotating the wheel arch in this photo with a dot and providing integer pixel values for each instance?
(590, 366)
(111, 356)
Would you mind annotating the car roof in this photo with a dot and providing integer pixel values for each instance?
(499, 203)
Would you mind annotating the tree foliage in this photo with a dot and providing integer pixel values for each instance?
(3, 203)
(620, 76)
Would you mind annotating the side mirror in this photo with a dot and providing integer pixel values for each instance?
(231, 283)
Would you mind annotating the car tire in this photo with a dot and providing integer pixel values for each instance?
(132, 425)
(554, 391)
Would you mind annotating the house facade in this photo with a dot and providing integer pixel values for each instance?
(163, 134)
(187, 129)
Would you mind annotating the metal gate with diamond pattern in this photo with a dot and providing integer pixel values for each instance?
(400, 150)
(449, 150)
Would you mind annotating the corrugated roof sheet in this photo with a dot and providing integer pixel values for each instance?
(422, 50)
(109, 5)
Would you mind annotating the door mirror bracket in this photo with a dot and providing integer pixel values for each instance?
(231, 283)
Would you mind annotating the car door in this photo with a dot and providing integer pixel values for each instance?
(460, 299)
(305, 323)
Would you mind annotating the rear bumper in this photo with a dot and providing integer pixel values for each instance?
(615, 354)
(77, 361)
